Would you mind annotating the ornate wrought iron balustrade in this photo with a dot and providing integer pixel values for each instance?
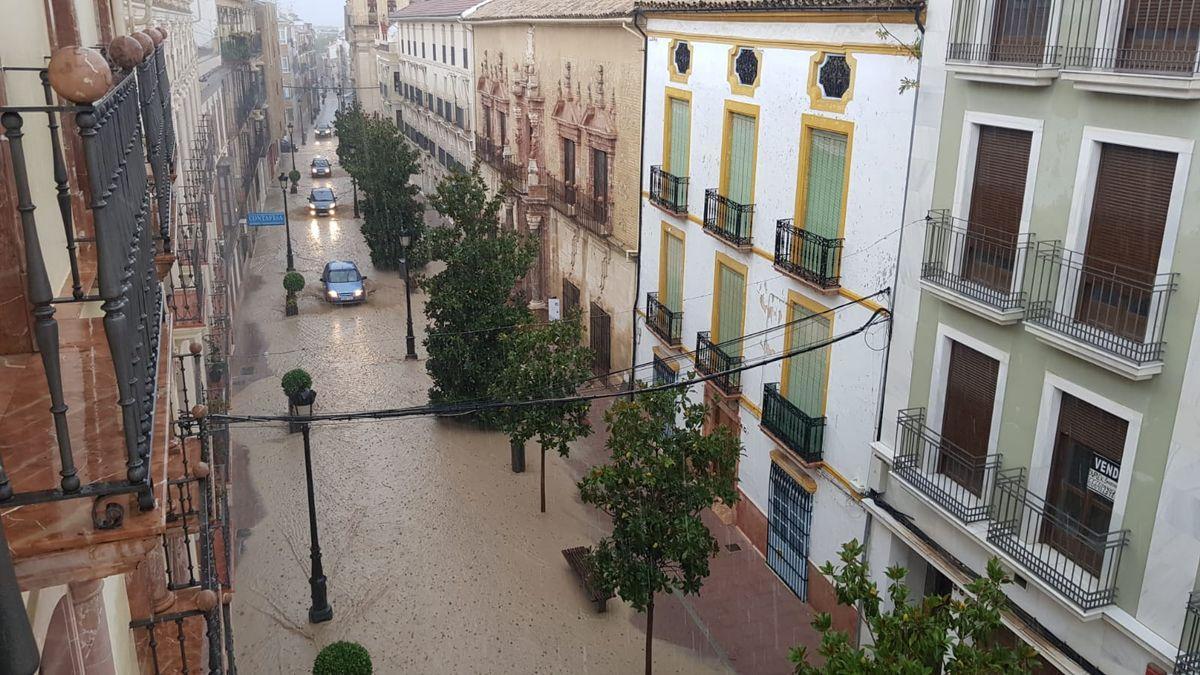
(711, 358)
(800, 432)
(728, 219)
(809, 256)
(945, 473)
(667, 191)
(974, 261)
(665, 322)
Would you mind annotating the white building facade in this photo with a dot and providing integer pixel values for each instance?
(775, 156)
(429, 80)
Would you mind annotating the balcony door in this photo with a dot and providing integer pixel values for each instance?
(738, 173)
(672, 262)
(730, 309)
(677, 157)
(1019, 30)
(967, 416)
(997, 201)
(1159, 36)
(824, 197)
(1086, 468)
(1125, 233)
(806, 375)
(568, 170)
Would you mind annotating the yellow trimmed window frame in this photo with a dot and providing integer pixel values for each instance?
(672, 97)
(670, 293)
(809, 126)
(726, 268)
(733, 108)
(735, 83)
(673, 73)
(800, 386)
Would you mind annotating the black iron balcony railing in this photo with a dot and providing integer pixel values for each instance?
(240, 47)
(562, 196)
(711, 358)
(809, 256)
(800, 432)
(975, 262)
(593, 213)
(1188, 661)
(513, 174)
(1116, 309)
(118, 133)
(1075, 560)
(666, 323)
(667, 191)
(954, 479)
(488, 151)
(727, 219)
(1149, 36)
(663, 372)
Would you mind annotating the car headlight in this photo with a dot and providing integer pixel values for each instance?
(358, 292)
(332, 294)
(333, 205)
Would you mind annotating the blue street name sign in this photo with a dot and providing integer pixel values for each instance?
(264, 218)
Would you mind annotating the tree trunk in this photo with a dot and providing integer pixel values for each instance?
(649, 634)
(543, 478)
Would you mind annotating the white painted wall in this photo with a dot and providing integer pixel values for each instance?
(879, 153)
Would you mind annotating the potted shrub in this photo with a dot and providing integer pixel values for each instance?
(343, 658)
(294, 176)
(216, 372)
(293, 283)
(297, 385)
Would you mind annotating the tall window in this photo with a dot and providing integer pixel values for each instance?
(503, 119)
(1159, 36)
(739, 159)
(568, 170)
(804, 379)
(825, 183)
(679, 119)
(997, 199)
(1088, 450)
(487, 122)
(1129, 214)
(1019, 29)
(730, 309)
(967, 415)
(671, 293)
(600, 175)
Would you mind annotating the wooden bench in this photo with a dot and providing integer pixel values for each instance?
(577, 558)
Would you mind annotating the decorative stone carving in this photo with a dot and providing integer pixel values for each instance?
(682, 57)
(834, 76)
(746, 66)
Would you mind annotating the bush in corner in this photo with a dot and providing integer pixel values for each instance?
(293, 282)
(295, 381)
(343, 658)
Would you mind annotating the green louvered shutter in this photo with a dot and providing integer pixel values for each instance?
(674, 291)
(681, 130)
(806, 372)
(732, 308)
(741, 159)
(826, 183)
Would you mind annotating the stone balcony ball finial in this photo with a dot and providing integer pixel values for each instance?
(146, 41)
(126, 52)
(80, 74)
(155, 35)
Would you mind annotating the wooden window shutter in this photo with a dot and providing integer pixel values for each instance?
(970, 398)
(1129, 211)
(998, 189)
(1098, 429)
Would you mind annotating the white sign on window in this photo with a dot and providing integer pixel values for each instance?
(1102, 477)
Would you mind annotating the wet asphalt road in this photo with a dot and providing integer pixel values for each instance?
(437, 558)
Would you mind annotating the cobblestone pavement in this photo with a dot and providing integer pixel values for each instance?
(438, 560)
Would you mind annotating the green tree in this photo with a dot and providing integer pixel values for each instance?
(664, 472)
(935, 634)
(544, 361)
(372, 151)
(472, 303)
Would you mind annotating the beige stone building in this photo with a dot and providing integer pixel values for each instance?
(558, 110)
(366, 26)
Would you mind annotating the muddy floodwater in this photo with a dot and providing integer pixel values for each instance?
(437, 557)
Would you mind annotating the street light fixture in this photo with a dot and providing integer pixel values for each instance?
(320, 611)
(287, 222)
(410, 340)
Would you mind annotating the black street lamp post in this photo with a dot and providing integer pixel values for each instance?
(292, 144)
(354, 189)
(287, 222)
(410, 340)
(320, 611)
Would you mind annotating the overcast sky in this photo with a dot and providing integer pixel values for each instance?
(318, 12)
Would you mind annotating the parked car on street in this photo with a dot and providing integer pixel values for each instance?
(343, 283)
(320, 168)
(325, 131)
(321, 201)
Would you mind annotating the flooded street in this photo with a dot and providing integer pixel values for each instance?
(437, 557)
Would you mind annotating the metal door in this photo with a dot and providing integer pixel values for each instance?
(789, 526)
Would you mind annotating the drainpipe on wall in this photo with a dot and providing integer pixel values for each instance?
(637, 275)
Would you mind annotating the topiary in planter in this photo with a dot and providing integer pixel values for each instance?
(343, 658)
(293, 282)
(295, 381)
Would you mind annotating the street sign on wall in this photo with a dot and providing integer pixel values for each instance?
(264, 218)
